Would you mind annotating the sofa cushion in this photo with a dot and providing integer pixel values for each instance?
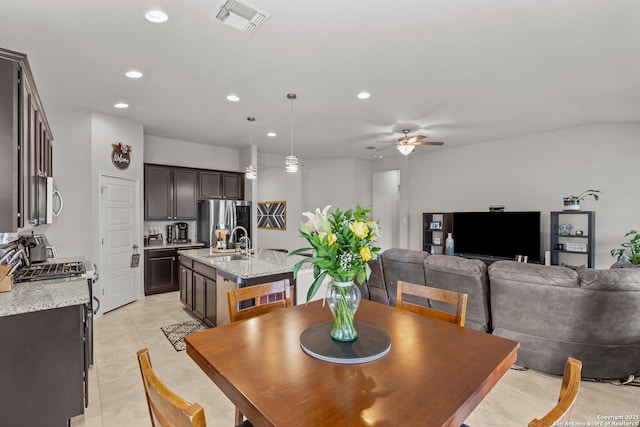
(555, 312)
(402, 264)
(375, 283)
(468, 276)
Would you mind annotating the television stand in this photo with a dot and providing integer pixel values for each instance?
(488, 260)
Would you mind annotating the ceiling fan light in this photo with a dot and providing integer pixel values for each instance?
(291, 164)
(405, 149)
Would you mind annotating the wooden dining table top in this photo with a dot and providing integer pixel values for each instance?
(435, 373)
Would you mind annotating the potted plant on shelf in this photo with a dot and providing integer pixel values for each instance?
(629, 251)
(572, 203)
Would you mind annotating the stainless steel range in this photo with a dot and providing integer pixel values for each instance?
(59, 270)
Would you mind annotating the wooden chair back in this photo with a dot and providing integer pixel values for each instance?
(166, 408)
(561, 413)
(442, 295)
(266, 297)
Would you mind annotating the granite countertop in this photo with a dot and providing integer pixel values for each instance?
(263, 262)
(27, 297)
(166, 245)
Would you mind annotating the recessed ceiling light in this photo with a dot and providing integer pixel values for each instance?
(156, 16)
(364, 95)
(121, 105)
(271, 134)
(133, 74)
(233, 98)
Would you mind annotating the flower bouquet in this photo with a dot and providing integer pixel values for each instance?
(342, 244)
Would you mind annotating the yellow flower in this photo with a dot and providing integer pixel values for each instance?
(360, 229)
(331, 239)
(365, 253)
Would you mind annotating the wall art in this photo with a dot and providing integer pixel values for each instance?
(272, 215)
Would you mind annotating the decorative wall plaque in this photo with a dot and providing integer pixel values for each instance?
(272, 215)
(120, 156)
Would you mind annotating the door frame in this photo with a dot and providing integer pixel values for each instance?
(391, 202)
(136, 225)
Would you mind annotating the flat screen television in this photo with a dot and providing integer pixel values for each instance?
(497, 234)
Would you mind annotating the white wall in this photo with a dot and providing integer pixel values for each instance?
(105, 131)
(164, 151)
(341, 183)
(534, 172)
(71, 232)
(274, 184)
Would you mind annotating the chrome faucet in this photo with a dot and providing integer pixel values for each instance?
(247, 245)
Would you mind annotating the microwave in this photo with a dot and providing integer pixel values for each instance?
(48, 201)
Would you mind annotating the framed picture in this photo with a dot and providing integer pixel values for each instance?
(272, 215)
(435, 225)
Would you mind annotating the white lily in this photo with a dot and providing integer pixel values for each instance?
(319, 219)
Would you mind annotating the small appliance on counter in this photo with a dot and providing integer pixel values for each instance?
(182, 233)
(38, 248)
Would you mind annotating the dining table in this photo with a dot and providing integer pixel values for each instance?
(433, 374)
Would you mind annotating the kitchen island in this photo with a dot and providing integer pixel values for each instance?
(205, 277)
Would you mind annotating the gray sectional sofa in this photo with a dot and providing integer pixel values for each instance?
(553, 312)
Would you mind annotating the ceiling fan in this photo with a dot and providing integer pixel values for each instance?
(407, 144)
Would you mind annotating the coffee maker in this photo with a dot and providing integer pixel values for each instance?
(182, 235)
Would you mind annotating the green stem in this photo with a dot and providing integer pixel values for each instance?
(343, 328)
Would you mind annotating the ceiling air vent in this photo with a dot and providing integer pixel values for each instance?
(241, 16)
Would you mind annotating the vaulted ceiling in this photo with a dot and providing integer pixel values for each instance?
(463, 71)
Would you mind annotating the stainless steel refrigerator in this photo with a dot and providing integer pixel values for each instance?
(214, 214)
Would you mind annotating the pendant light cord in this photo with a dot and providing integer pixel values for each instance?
(291, 125)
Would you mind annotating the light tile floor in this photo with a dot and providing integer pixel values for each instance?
(116, 396)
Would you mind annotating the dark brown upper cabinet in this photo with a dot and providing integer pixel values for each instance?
(26, 143)
(169, 193)
(221, 185)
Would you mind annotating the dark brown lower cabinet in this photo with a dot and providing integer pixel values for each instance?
(199, 294)
(162, 270)
(43, 366)
(186, 282)
(198, 289)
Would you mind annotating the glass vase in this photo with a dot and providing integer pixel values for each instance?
(343, 299)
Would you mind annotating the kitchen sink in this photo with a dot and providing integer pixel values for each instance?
(234, 257)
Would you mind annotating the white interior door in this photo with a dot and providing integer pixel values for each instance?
(118, 228)
(386, 197)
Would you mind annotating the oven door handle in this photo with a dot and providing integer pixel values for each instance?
(95, 310)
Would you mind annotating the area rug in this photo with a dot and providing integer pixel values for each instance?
(175, 333)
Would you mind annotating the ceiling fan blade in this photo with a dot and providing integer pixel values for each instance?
(417, 138)
(428, 143)
(384, 148)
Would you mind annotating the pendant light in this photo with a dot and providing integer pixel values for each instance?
(291, 162)
(251, 171)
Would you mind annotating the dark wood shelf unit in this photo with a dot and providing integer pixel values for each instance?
(558, 217)
(433, 240)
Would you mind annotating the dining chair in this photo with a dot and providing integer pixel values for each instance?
(433, 294)
(561, 413)
(265, 298)
(166, 408)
